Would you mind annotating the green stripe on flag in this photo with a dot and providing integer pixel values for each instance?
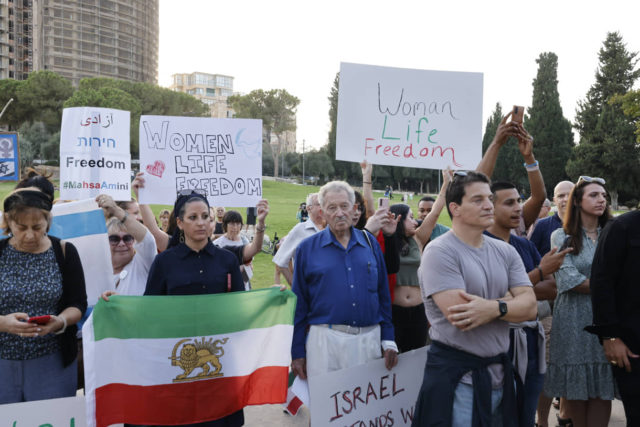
(191, 315)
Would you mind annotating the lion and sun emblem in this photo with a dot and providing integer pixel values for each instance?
(203, 354)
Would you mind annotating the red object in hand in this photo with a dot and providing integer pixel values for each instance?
(40, 320)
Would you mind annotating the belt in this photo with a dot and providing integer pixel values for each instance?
(347, 329)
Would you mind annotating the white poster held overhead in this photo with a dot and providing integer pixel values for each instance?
(95, 156)
(368, 394)
(221, 158)
(412, 118)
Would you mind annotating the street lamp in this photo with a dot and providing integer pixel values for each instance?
(303, 162)
(5, 107)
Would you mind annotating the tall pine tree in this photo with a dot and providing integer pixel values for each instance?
(553, 138)
(607, 142)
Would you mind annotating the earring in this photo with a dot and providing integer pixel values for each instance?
(181, 236)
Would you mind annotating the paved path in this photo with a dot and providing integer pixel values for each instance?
(273, 416)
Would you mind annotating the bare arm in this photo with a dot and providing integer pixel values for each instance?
(546, 289)
(466, 311)
(253, 248)
(423, 233)
(531, 208)
(287, 275)
(136, 229)
(583, 288)
(367, 190)
(148, 218)
(505, 130)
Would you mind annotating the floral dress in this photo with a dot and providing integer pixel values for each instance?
(577, 369)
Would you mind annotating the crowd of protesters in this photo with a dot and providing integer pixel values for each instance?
(518, 307)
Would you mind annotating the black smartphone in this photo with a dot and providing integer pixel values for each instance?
(565, 244)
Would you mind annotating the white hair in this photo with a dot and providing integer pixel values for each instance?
(310, 197)
(335, 187)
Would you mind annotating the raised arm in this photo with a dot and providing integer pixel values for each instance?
(423, 233)
(256, 245)
(148, 219)
(367, 189)
(531, 208)
(136, 229)
(505, 130)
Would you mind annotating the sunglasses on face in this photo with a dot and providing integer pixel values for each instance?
(590, 179)
(114, 239)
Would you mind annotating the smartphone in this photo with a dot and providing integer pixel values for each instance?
(517, 114)
(383, 202)
(565, 244)
(40, 320)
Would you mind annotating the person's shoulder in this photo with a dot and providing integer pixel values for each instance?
(628, 219)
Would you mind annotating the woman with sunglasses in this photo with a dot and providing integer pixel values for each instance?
(578, 369)
(133, 249)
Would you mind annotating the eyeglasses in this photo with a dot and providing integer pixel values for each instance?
(114, 239)
(595, 179)
(460, 173)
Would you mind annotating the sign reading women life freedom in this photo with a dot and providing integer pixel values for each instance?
(221, 158)
(413, 118)
(95, 156)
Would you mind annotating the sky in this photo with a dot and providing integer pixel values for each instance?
(298, 45)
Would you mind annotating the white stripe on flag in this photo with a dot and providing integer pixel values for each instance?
(153, 364)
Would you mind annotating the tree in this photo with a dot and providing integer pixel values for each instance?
(32, 137)
(630, 103)
(41, 96)
(319, 164)
(15, 114)
(608, 146)
(276, 108)
(553, 138)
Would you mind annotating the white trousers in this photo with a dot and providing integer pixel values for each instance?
(330, 350)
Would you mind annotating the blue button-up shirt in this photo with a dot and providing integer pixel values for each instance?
(541, 235)
(342, 286)
(182, 271)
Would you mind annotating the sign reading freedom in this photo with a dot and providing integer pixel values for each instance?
(220, 158)
(368, 395)
(412, 118)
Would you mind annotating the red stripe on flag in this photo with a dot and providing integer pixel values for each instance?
(190, 402)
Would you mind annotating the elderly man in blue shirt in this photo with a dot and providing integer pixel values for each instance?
(343, 314)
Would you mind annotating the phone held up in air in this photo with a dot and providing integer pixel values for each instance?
(40, 320)
(383, 202)
(565, 244)
(517, 114)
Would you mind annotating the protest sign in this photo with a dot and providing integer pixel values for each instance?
(82, 224)
(95, 157)
(9, 162)
(221, 158)
(412, 118)
(368, 394)
(65, 412)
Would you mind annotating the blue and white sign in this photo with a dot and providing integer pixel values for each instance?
(9, 166)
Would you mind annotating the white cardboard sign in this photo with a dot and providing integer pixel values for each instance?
(219, 157)
(95, 156)
(412, 118)
(65, 412)
(368, 394)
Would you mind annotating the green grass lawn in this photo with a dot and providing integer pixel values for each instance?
(284, 200)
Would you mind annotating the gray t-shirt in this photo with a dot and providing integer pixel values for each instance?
(488, 271)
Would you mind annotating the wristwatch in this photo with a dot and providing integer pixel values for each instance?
(502, 306)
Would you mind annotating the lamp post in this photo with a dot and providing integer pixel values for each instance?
(5, 107)
(303, 183)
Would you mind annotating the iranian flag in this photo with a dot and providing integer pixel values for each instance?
(184, 359)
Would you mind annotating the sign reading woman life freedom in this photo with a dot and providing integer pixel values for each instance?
(221, 158)
(95, 156)
(414, 118)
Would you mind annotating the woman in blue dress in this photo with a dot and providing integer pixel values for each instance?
(578, 369)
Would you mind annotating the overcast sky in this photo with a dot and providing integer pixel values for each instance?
(298, 45)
